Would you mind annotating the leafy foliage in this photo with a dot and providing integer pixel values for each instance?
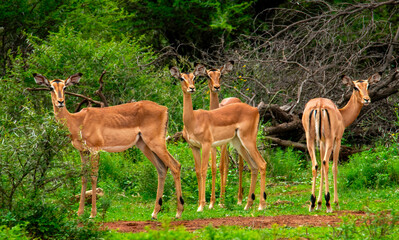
(376, 168)
(97, 19)
(14, 233)
(286, 164)
(31, 159)
(200, 22)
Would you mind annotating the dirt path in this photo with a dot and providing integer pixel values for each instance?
(254, 222)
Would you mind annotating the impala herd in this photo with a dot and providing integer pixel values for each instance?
(144, 124)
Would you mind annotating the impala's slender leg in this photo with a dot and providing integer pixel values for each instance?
(94, 176)
(197, 161)
(254, 176)
(259, 162)
(254, 171)
(84, 155)
(240, 169)
(161, 169)
(223, 168)
(214, 169)
(325, 165)
(310, 142)
(320, 198)
(206, 148)
(337, 147)
(161, 151)
(175, 168)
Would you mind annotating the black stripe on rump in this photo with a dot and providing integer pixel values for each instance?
(319, 124)
(310, 118)
(328, 117)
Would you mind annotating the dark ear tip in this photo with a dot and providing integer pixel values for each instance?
(231, 61)
(35, 74)
(80, 74)
(342, 76)
(380, 73)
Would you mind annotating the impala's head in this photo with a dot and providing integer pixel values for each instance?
(57, 87)
(187, 79)
(214, 75)
(361, 87)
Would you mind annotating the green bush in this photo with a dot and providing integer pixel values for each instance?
(375, 168)
(45, 220)
(31, 160)
(14, 233)
(287, 164)
(381, 225)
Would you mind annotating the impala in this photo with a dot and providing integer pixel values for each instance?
(115, 129)
(214, 76)
(325, 124)
(235, 123)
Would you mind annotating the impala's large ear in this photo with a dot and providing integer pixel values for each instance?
(199, 70)
(227, 67)
(175, 72)
(41, 80)
(73, 79)
(347, 80)
(375, 78)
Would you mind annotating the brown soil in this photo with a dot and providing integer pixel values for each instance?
(254, 222)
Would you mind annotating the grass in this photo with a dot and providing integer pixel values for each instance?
(282, 200)
(131, 196)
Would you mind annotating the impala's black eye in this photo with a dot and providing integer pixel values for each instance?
(51, 88)
(357, 89)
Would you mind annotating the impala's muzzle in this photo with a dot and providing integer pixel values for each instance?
(216, 88)
(60, 103)
(191, 89)
(366, 101)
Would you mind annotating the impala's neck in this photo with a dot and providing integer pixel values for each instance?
(188, 111)
(214, 100)
(351, 110)
(62, 114)
(72, 121)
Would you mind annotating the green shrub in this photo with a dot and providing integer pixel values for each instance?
(380, 225)
(31, 160)
(375, 168)
(287, 164)
(16, 232)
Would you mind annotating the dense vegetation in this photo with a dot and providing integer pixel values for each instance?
(136, 41)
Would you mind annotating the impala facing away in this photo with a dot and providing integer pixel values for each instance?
(325, 123)
(235, 123)
(214, 76)
(115, 129)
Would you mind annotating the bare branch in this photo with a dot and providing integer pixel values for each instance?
(100, 89)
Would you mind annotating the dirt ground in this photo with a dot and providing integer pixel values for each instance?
(254, 222)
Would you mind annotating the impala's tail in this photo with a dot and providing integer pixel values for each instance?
(322, 123)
